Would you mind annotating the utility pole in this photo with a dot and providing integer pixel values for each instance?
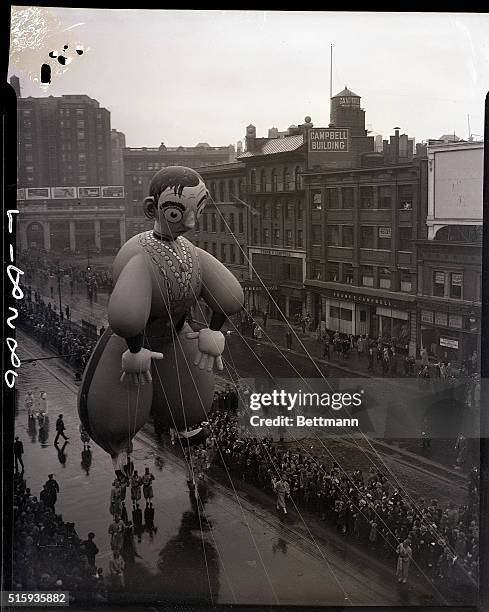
(330, 80)
(59, 291)
(88, 255)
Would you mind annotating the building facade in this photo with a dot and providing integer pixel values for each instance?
(63, 141)
(117, 144)
(222, 229)
(276, 221)
(67, 220)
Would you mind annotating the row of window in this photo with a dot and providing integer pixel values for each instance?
(378, 197)
(275, 236)
(224, 190)
(226, 253)
(209, 221)
(371, 237)
(277, 180)
(447, 284)
(274, 210)
(378, 277)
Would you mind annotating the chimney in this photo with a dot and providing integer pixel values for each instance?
(396, 145)
(250, 138)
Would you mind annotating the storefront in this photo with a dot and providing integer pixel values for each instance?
(452, 336)
(362, 314)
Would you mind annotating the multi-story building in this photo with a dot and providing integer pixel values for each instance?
(276, 220)
(365, 209)
(117, 144)
(63, 141)
(71, 219)
(141, 164)
(222, 230)
(450, 260)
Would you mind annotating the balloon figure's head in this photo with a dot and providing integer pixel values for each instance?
(177, 197)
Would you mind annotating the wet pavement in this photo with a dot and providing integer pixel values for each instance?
(235, 550)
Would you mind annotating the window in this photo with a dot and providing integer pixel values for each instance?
(267, 210)
(232, 248)
(367, 237)
(28, 158)
(316, 270)
(266, 235)
(241, 257)
(384, 278)
(231, 188)
(288, 237)
(255, 235)
(456, 279)
(297, 177)
(206, 246)
(405, 238)
(384, 235)
(316, 199)
(287, 210)
(347, 236)
(332, 200)
(385, 196)
(80, 124)
(80, 112)
(221, 192)
(348, 274)
(347, 197)
(80, 135)
(240, 188)
(214, 249)
(406, 281)
(213, 222)
(204, 221)
(253, 180)
(276, 236)
(367, 274)
(82, 157)
(263, 181)
(286, 179)
(439, 284)
(276, 210)
(333, 235)
(222, 223)
(366, 197)
(82, 146)
(240, 223)
(316, 235)
(300, 211)
(27, 112)
(274, 180)
(27, 124)
(405, 193)
(231, 222)
(332, 271)
(299, 238)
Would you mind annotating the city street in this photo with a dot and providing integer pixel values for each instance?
(235, 550)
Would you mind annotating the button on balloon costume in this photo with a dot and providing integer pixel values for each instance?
(149, 361)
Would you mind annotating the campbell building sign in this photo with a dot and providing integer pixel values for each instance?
(328, 140)
(329, 148)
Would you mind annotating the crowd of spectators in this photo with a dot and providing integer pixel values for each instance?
(364, 507)
(55, 330)
(48, 555)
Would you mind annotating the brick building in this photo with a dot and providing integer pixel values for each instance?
(118, 144)
(364, 210)
(63, 141)
(276, 220)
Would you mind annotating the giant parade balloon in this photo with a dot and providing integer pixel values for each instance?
(149, 362)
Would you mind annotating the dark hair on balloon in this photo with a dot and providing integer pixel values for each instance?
(176, 177)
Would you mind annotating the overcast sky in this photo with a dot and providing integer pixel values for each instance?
(184, 77)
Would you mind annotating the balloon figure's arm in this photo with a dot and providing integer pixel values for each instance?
(223, 293)
(129, 310)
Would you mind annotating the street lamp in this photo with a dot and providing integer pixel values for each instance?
(59, 290)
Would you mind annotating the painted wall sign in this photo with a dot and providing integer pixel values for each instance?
(328, 140)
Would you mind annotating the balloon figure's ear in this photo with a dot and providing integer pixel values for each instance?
(149, 207)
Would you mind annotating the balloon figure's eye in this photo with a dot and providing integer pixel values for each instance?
(173, 214)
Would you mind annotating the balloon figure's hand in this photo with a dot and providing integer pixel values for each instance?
(211, 347)
(137, 366)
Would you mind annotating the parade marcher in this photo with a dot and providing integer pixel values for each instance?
(146, 480)
(137, 519)
(18, 452)
(115, 499)
(29, 404)
(135, 487)
(124, 517)
(90, 549)
(43, 403)
(404, 552)
(53, 488)
(84, 437)
(116, 568)
(288, 339)
(282, 489)
(60, 429)
(149, 516)
(128, 549)
(116, 531)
